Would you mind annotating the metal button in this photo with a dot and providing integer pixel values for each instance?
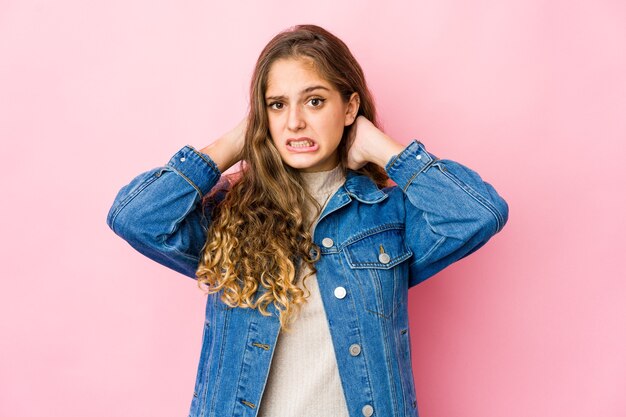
(418, 157)
(182, 159)
(327, 242)
(340, 292)
(368, 410)
(384, 258)
(355, 349)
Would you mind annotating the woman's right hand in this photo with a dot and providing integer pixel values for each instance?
(227, 149)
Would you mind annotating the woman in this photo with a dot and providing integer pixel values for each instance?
(308, 254)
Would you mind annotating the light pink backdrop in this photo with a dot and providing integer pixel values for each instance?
(530, 93)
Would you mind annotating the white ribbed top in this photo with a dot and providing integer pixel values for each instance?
(304, 380)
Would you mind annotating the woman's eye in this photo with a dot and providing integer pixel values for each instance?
(316, 102)
(276, 105)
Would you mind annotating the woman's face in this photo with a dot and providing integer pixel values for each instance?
(306, 115)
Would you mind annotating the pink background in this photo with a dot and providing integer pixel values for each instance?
(529, 93)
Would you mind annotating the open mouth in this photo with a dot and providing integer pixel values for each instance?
(302, 145)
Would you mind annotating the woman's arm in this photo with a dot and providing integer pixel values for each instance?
(160, 212)
(450, 211)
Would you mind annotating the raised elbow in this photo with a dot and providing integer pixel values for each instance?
(500, 214)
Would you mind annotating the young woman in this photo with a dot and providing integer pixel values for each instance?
(308, 253)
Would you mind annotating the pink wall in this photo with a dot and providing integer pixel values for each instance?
(530, 93)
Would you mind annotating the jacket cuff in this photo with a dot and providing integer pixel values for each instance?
(196, 168)
(408, 164)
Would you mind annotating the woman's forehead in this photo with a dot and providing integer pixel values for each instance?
(294, 76)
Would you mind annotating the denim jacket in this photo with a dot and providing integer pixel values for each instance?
(375, 244)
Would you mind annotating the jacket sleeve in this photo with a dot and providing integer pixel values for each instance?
(450, 211)
(160, 212)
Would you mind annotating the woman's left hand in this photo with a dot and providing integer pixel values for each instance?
(370, 144)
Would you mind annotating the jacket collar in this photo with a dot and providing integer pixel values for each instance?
(362, 188)
(357, 186)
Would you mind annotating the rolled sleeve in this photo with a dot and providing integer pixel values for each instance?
(194, 166)
(408, 164)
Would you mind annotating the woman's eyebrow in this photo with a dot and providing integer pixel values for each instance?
(306, 90)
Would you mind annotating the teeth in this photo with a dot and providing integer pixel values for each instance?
(300, 143)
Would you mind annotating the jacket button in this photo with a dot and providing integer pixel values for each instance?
(340, 292)
(384, 258)
(355, 349)
(418, 157)
(367, 410)
(327, 242)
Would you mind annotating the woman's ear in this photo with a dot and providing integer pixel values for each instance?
(352, 109)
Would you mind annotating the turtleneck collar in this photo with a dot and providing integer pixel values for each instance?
(322, 183)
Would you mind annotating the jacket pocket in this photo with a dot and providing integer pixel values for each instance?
(376, 260)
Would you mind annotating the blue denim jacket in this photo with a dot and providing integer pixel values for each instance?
(375, 244)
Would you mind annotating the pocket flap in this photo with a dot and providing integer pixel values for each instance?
(381, 249)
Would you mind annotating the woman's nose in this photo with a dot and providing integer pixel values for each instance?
(296, 119)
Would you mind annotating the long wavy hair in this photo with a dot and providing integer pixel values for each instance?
(259, 235)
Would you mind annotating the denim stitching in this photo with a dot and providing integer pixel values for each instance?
(140, 187)
(423, 169)
(227, 313)
(206, 159)
(485, 203)
(431, 250)
(373, 231)
(175, 169)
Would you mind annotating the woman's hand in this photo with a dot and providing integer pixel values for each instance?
(227, 149)
(370, 144)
